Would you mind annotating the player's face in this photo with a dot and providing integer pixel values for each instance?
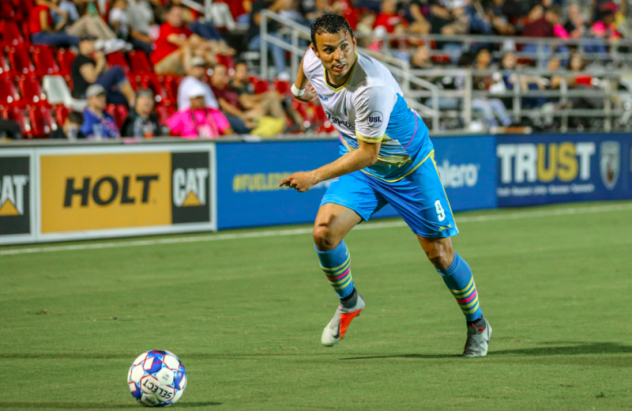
(336, 52)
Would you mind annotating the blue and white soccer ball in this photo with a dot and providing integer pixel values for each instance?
(157, 378)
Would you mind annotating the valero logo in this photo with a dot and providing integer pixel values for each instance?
(15, 195)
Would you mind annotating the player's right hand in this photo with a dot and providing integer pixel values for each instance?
(309, 96)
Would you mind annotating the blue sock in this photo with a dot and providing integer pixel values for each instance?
(336, 264)
(458, 277)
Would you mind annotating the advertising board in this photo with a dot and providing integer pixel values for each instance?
(552, 168)
(17, 205)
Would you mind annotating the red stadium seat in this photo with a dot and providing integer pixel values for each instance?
(31, 91)
(7, 11)
(153, 83)
(20, 60)
(42, 122)
(61, 113)
(119, 112)
(11, 33)
(5, 68)
(281, 86)
(261, 86)
(118, 59)
(164, 112)
(140, 63)
(17, 114)
(65, 58)
(442, 59)
(45, 61)
(171, 84)
(9, 96)
(24, 8)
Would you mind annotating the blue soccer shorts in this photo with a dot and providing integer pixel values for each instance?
(419, 198)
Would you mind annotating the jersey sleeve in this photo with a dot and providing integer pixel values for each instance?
(373, 111)
(311, 64)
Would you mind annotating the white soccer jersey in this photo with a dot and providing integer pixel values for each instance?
(370, 106)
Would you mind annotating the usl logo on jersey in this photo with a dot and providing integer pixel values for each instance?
(375, 118)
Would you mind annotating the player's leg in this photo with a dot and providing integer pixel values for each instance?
(347, 202)
(457, 275)
(421, 200)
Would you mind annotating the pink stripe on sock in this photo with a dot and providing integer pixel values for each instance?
(470, 298)
(340, 276)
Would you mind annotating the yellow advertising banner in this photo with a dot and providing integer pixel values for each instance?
(82, 192)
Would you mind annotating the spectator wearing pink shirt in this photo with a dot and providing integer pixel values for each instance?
(198, 121)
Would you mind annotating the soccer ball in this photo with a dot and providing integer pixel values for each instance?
(157, 378)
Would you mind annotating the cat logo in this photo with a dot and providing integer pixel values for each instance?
(12, 190)
(190, 187)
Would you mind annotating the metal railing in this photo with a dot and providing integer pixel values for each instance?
(545, 48)
(425, 96)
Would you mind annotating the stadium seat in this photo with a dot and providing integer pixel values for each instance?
(171, 83)
(442, 59)
(261, 86)
(118, 59)
(31, 91)
(44, 60)
(61, 113)
(140, 63)
(9, 96)
(57, 92)
(5, 68)
(65, 58)
(281, 86)
(11, 33)
(20, 60)
(17, 114)
(7, 11)
(24, 8)
(119, 112)
(42, 122)
(164, 112)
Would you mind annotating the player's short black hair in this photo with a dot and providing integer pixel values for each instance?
(75, 117)
(329, 23)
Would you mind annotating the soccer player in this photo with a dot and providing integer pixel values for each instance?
(386, 158)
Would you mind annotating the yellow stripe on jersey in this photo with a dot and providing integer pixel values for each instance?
(370, 139)
(405, 175)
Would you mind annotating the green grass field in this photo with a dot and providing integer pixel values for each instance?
(245, 317)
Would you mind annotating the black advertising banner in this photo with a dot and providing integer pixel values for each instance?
(15, 195)
(190, 187)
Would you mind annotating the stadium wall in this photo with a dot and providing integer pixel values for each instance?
(54, 191)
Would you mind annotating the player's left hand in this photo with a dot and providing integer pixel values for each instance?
(301, 181)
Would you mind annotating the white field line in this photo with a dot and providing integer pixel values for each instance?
(297, 231)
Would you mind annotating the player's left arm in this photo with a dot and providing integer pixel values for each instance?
(373, 108)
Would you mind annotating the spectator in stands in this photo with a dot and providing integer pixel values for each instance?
(317, 9)
(269, 103)
(98, 123)
(240, 121)
(64, 14)
(91, 67)
(254, 39)
(142, 122)
(119, 20)
(168, 55)
(537, 25)
(140, 18)
(195, 77)
(389, 18)
(416, 16)
(44, 31)
(198, 120)
(421, 58)
(71, 128)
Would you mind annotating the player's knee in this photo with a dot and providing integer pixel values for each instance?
(324, 238)
(441, 257)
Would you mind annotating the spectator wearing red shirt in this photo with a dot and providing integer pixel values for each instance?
(388, 18)
(228, 101)
(169, 56)
(43, 31)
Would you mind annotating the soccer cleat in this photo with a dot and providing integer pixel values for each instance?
(477, 339)
(337, 327)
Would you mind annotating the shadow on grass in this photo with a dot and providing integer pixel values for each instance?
(548, 348)
(93, 406)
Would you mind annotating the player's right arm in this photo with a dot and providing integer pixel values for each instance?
(302, 83)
